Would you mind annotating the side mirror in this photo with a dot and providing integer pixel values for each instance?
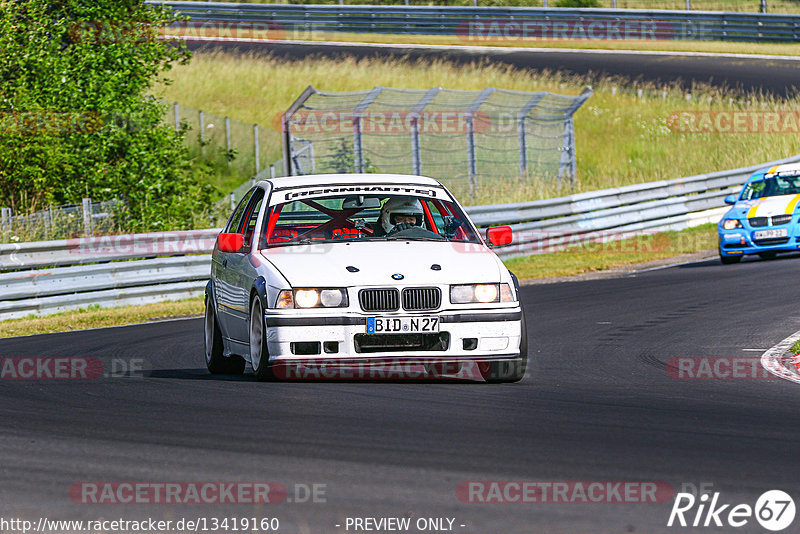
(499, 236)
(229, 242)
(730, 199)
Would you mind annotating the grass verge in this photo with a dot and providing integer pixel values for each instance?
(622, 137)
(96, 317)
(795, 348)
(574, 260)
(590, 257)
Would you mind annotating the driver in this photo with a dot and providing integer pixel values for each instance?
(400, 213)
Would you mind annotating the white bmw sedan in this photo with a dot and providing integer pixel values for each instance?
(361, 276)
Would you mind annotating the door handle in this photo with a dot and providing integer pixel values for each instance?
(224, 263)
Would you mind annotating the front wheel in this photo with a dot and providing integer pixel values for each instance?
(216, 362)
(513, 371)
(259, 355)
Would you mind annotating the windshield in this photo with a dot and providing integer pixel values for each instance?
(365, 218)
(770, 187)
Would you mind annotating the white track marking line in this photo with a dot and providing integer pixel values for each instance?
(770, 360)
(483, 49)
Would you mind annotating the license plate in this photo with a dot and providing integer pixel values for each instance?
(768, 234)
(401, 325)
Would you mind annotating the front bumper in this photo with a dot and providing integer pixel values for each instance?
(475, 335)
(740, 241)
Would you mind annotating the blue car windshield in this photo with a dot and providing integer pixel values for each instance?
(770, 187)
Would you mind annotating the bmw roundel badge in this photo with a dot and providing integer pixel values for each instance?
(397, 276)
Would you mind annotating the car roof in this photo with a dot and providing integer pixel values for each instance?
(310, 180)
(787, 168)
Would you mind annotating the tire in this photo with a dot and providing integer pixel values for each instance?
(216, 362)
(259, 354)
(729, 260)
(513, 371)
(767, 255)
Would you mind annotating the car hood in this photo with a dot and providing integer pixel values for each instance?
(325, 265)
(764, 207)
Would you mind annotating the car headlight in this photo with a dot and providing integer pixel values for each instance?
(312, 298)
(482, 293)
(730, 224)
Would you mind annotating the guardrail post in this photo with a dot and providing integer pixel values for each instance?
(228, 138)
(5, 217)
(255, 147)
(688, 5)
(87, 216)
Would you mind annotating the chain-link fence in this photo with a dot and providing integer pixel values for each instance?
(221, 141)
(454, 136)
(60, 222)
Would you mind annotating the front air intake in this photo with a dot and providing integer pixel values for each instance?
(379, 300)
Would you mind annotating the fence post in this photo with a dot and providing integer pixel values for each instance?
(470, 119)
(5, 217)
(522, 134)
(233, 201)
(202, 130)
(419, 107)
(688, 5)
(763, 6)
(358, 147)
(567, 164)
(272, 171)
(255, 147)
(176, 116)
(228, 139)
(87, 216)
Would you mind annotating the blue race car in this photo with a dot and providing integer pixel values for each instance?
(762, 220)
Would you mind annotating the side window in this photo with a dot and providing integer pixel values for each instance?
(236, 218)
(248, 223)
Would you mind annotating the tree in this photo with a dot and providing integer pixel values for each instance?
(76, 118)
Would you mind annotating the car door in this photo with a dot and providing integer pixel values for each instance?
(241, 271)
(221, 274)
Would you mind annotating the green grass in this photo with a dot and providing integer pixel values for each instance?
(95, 317)
(603, 256)
(621, 138)
(795, 347)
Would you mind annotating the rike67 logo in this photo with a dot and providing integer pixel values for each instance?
(774, 510)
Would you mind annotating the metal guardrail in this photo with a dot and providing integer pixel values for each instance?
(481, 24)
(177, 264)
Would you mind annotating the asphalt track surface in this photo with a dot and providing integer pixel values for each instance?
(598, 405)
(780, 77)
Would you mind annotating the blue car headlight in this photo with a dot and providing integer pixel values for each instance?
(731, 224)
